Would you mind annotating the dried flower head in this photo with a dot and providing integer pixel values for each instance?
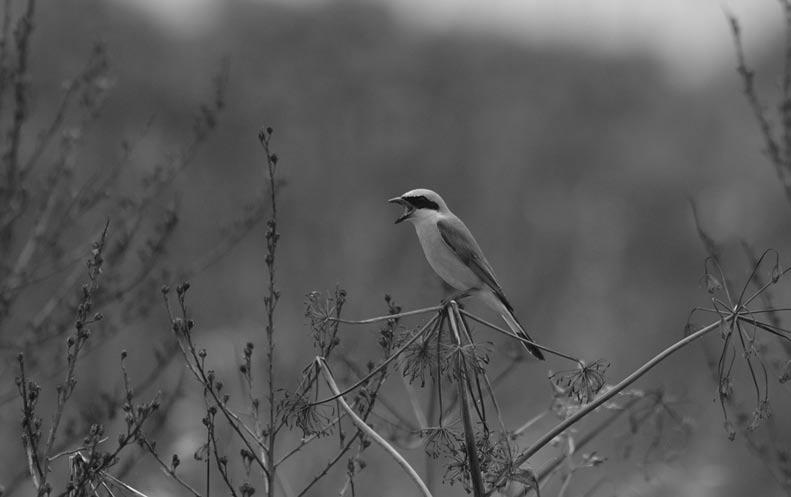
(296, 409)
(494, 458)
(582, 383)
(475, 357)
(495, 453)
(443, 440)
(323, 312)
(419, 357)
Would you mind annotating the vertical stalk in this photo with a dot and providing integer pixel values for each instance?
(270, 302)
(469, 433)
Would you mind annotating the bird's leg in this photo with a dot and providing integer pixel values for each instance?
(456, 296)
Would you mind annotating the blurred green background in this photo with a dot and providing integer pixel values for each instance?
(573, 167)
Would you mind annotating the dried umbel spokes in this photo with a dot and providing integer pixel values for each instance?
(474, 355)
(458, 468)
(443, 440)
(419, 357)
(323, 311)
(741, 324)
(495, 453)
(495, 456)
(497, 459)
(296, 410)
(582, 383)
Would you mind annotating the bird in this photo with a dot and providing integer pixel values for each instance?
(454, 254)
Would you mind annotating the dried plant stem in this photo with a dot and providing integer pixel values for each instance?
(75, 343)
(361, 425)
(530, 422)
(585, 439)
(454, 318)
(615, 390)
(388, 316)
(30, 438)
(20, 86)
(306, 440)
(389, 406)
(194, 365)
(523, 340)
(167, 469)
(270, 302)
(209, 427)
(773, 148)
(121, 484)
(384, 363)
(74, 451)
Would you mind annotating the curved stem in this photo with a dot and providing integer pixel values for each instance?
(381, 366)
(616, 389)
(362, 426)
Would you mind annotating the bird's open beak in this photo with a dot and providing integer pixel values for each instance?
(408, 209)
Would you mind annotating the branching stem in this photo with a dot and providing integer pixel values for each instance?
(370, 431)
(384, 364)
(523, 340)
(612, 392)
(615, 390)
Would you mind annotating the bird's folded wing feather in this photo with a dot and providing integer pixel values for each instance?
(456, 235)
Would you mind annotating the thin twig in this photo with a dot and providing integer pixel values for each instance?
(73, 451)
(523, 340)
(585, 439)
(387, 316)
(306, 440)
(381, 366)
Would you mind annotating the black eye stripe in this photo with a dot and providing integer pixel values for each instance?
(421, 202)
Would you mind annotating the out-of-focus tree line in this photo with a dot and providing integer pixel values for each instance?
(574, 170)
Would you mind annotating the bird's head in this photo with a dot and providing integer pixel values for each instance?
(419, 204)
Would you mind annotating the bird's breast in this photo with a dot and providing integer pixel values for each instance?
(443, 260)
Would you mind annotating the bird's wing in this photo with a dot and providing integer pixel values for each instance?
(459, 239)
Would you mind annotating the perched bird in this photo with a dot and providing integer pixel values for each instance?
(455, 256)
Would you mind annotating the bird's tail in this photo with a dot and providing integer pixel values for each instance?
(519, 331)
